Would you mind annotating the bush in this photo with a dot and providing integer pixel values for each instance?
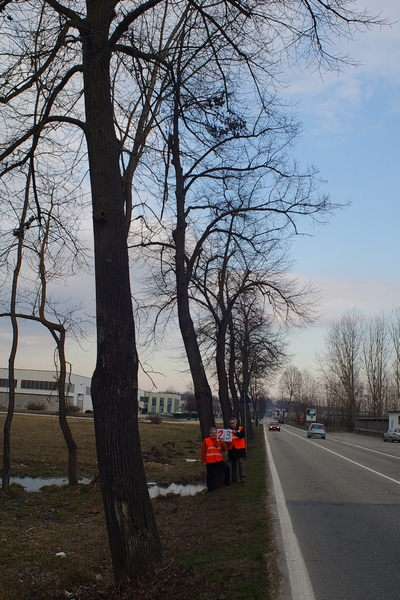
(155, 419)
(71, 408)
(36, 406)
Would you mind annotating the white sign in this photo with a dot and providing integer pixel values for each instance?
(311, 414)
(224, 435)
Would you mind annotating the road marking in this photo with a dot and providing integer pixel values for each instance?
(331, 439)
(348, 459)
(300, 583)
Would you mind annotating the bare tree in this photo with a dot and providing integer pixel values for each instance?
(92, 70)
(341, 363)
(51, 251)
(290, 386)
(376, 359)
(259, 349)
(213, 140)
(394, 334)
(235, 193)
(20, 232)
(334, 399)
(60, 61)
(189, 402)
(240, 261)
(309, 394)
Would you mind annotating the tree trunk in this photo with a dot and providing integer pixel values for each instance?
(57, 330)
(6, 474)
(231, 371)
(134, 540)
(223, 387)
(202, 389)
(62, 412)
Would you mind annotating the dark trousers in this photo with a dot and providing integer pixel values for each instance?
(235, 463)
(216, 473)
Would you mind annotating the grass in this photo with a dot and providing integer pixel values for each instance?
(216, 546)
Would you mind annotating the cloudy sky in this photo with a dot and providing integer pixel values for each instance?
(351, 132)
(351, 126)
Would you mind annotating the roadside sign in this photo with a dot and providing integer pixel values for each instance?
(224, 435)
(311, 414)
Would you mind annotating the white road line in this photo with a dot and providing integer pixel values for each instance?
(345, 458)
(300, 583)
(331, 439)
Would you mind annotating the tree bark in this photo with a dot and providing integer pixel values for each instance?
(202, 389)
(201, 386)
(6, 472)
(231, 370)
(57, 330)
(223, 386)
(134, 540)
(62, 411)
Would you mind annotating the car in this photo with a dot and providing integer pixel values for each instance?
(392, 435)
(316, 430)
(274, 426)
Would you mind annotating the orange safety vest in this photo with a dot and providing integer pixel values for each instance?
(237, 442)
(212, 451)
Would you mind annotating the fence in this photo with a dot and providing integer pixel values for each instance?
(372, 425)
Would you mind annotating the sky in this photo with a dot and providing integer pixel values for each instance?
(351, 125)
(351, 133)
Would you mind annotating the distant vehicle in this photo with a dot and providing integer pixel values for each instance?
(316, 430)
(281, 421)
(274, 426)
(392, 435)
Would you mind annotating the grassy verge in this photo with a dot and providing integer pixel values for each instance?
(216, 546)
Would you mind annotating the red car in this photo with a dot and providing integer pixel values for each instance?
(273, 426)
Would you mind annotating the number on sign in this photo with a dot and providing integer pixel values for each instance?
(224, 435)
(228, 435)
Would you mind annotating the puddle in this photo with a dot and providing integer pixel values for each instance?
(33, 484)
(174, 488)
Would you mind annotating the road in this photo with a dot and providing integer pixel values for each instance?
(343, 498)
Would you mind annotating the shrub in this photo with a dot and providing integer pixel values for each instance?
(36, 406)
(71, 408)
(155, 419)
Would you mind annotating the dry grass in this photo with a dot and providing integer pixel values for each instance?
(216, 546)
(38, 448)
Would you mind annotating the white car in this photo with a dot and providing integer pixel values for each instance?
(392, 435)
(316, 430)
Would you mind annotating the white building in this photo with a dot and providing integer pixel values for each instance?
(394, 419)
(159, 403)
(40, 388)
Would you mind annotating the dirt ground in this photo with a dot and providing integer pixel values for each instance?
(216, 545)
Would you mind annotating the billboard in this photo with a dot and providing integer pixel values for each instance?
(311, 414)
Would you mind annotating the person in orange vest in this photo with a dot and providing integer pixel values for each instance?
(211, 456)
(237, 451)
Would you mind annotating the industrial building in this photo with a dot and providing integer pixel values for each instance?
(40, 388)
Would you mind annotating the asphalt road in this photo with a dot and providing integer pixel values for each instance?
(343, 498)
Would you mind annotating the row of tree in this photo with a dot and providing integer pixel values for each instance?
(359, 371)
(169, 112)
